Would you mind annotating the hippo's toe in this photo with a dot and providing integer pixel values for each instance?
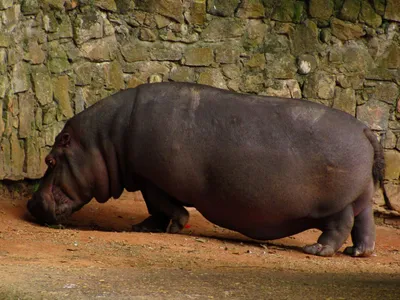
(319, 249)
(359, 251)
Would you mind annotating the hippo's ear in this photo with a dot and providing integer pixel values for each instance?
(65, 140)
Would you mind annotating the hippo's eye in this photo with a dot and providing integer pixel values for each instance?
(51, 162)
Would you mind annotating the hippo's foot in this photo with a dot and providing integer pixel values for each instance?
(179, 221)
(164, 209)
(359, 251)
(319, 249)
(152, 224)
(363, 233)
(335, 230)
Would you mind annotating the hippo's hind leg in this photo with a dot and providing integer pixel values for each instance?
(163, 210)
(335, 230)
(363, 232)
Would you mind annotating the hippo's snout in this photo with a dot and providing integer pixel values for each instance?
(41, 209)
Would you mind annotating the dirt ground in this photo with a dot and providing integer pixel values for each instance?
(96, 256)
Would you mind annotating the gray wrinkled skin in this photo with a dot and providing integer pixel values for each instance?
(263, 166)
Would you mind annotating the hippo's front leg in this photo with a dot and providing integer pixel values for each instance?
(162, 209)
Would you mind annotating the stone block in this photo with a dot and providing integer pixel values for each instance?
(288, 11)
(73, 52)
(147, 34)
(375, 114)
(182, 74)
(26, 114)
(224, 8)
(280, 66)
(20, 77)
(398, 144)
(58, 64)
(393, 192)
(392, 11)
(256, 61)
(285, 88)
(10, 112)
(63, 29)
(320, 85)
(276, 44)
(345, 100)
(33, 170)
(4, 85)
(144, 69)
(35, 54)
(385, 91)
(369, 16)
(6, 4)
(166, 51)
(255, 35)
(61, 95)
(251, 9)
(346, 31)
(356, 58)
(391, 57)
(42, 84)
(231, 71)
(11, 17)
(55, 4)
(350, 10)
(88, 26)
(58, 59)
(30, 7)
(38, 118)
(108, 5)
(79, 100)
(169, 8)
(389, 141)
(5, 158)
(133, 82)
(198, 57)
(253, 83)
(227, 54)
(83, 73)
(100, 50)
(379, 6)
(187, 37)
(161, 21)
(197, 12)
(304, 39)
(17, 158)
(4, 40)
(49, 133)
(136, 51)
(392, 160)
(2, 127)
(212, 77)
(114, 76)
(321, 9)
(222, 29)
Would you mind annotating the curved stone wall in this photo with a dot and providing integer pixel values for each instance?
(60, 56)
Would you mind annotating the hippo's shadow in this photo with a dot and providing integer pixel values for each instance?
(115, 219)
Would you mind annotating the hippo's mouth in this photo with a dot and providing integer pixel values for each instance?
(63, 204)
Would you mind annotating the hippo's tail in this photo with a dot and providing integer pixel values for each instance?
(378, 168)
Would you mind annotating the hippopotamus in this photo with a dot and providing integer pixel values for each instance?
(266, 167)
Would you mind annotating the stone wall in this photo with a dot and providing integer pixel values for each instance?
(58, 57)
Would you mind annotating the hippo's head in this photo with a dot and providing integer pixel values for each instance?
(72, 178)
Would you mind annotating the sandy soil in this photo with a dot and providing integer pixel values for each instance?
(96, 256)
